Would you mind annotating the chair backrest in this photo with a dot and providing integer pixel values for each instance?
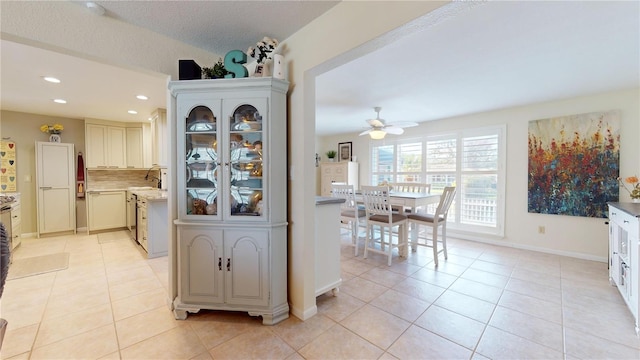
(376, 200)
(446, 199)
(345, 192)
(411, 187)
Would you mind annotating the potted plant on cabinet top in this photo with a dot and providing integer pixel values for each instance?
(331, 154)
(216, 72)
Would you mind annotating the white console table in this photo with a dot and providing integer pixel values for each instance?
(624, 253)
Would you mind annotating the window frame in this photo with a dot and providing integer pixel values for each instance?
(454, 222)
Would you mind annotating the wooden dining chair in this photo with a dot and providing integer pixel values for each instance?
(412, 187)
(349, 211)
(435, 220)
(379, 213)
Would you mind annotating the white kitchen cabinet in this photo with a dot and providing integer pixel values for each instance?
(106, 210)
(159, 137)
(141, 223)
(135, 148)
(106, 146)
(152, 225)
(342, 172)
(16, 224)
(232, 229)
(624, 253)
(56, 187)
(236, 263)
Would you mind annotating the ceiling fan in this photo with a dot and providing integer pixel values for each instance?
(379, 128)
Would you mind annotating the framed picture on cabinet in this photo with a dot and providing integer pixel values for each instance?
(344, 151)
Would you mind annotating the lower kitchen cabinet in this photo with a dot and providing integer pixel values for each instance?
(152, 226)
(141, 223)
(106, 210)
(624, 254)
(16, 225)
(231, 269)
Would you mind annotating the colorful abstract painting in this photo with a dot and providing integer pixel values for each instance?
(574, 164)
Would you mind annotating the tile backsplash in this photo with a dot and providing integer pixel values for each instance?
(120, 179)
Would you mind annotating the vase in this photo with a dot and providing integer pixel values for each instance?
(635, 200)
(55, 138)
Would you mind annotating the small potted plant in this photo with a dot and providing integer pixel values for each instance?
(216, 72)
(331, 154)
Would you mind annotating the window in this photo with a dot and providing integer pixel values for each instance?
(469, 159)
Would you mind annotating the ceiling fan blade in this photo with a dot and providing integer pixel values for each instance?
(376, 122)
(365, 132)
(404, 124)
(392, 129)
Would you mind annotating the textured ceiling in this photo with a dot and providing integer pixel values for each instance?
(96, 90)
(218, 26)
(463, 58)
(470, 57)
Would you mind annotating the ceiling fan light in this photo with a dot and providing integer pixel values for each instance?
(377, 134)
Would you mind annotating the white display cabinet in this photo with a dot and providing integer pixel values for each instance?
(232, 196)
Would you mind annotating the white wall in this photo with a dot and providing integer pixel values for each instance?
(569, 235)
(316, 48)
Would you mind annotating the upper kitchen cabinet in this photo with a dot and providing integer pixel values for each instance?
(116, 145)
(159, 137)
(231, 137)
(135, 148)
(106, 146)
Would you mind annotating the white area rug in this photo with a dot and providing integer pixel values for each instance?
(38, 265)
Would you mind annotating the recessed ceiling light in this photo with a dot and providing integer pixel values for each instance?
(51, 79)
(142, 97)
(132, 112)
(60, 101)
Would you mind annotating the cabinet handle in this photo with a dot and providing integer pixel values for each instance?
(226, 164)
(220, 263)
(613, 213)
(228, 264)
(46, 188)
(625, 221)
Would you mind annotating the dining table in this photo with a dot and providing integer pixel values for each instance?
(410, 200)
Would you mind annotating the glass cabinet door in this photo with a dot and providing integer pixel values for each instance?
(201, 162)
(246, 159)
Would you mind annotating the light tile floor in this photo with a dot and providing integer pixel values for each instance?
(483, 302)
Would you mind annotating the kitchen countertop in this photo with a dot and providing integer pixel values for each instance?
(150, 194)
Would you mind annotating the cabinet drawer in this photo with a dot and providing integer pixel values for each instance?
(16, 216)
(626, 221)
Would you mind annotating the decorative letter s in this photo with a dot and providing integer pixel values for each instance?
(233, 63)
